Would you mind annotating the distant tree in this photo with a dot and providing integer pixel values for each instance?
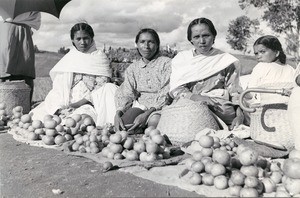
(36, 49)
(240, 31)
(283, 16)
(63, 50)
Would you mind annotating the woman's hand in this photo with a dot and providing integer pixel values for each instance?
(141, 120)
(238, 120)
(118, 122)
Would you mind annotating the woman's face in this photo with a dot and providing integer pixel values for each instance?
(82, 41)
(264, 54)
(202, 38)
(147, 45)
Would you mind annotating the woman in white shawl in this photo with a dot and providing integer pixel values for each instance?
(208, 75)
(81, 81)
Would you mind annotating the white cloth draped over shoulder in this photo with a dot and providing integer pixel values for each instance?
(188, 68)
(93, 63)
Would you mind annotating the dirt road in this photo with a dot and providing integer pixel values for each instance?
(27, 171)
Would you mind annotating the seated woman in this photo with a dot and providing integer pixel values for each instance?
(208, 75)
(81, 81)
(272, 71)
(145, 87)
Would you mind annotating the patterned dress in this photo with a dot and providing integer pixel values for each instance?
(147, 84)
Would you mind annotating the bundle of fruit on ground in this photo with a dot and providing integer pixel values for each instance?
(219, 163)
(87, 138)
(223, 164)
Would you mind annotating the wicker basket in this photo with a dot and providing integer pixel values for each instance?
(269, 123)
(15, 93)
(181, 121)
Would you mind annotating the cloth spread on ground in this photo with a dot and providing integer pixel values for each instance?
(167, 172)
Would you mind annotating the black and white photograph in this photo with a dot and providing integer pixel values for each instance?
(160, 98)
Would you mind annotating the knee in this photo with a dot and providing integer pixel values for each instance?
(153, 120)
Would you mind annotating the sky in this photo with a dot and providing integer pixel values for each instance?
(116, 22)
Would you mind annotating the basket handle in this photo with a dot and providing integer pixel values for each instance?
(283, 92)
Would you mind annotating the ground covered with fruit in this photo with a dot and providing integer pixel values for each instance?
(73, 157)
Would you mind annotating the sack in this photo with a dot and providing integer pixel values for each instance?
(182, 120)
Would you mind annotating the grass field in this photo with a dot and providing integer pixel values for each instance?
(45, 62)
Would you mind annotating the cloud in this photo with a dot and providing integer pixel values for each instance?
(116, 22)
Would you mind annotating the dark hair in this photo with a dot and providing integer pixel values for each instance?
(272, 43)
(201, 21)
(153, 33)
(82, 26)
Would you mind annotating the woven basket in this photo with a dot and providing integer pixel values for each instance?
(269, 124)
(15, 93)
(181, 121)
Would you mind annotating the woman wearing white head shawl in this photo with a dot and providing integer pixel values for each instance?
(17, 57)
(81, 82)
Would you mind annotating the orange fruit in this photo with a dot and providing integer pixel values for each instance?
(248, 192)
(217, 169)
(221, 157)
(88, 121)
(249, 170)
(251, 182)
(47, 117)
(158, 139)
(32, 136)
(154, 132)
(128, 143)
(221, 182)
(148, 129)
(95, 150)
(18, 109)
(50, 132)
(208, 179)
(115, 138)
(197, 167)
(59, 139)
(107, 165)
(234, 191)
(70, 122)
(237, 177)
(116, 148)
(37, 124)
(26, 118)
(132, 155)
(206, 141)
(57, 119)
(50, 124)
(195, 179)
(248, 157)
(197, 155)
(48, 140)
(206, 160)
(16, 114)
(59, 128)
(151, 147)
(207, 152)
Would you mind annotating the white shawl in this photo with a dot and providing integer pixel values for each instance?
(189, 68)
(95, 63)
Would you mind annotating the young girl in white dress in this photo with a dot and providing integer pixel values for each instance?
(271, 71)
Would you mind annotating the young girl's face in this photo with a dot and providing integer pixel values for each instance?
(264, 54)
